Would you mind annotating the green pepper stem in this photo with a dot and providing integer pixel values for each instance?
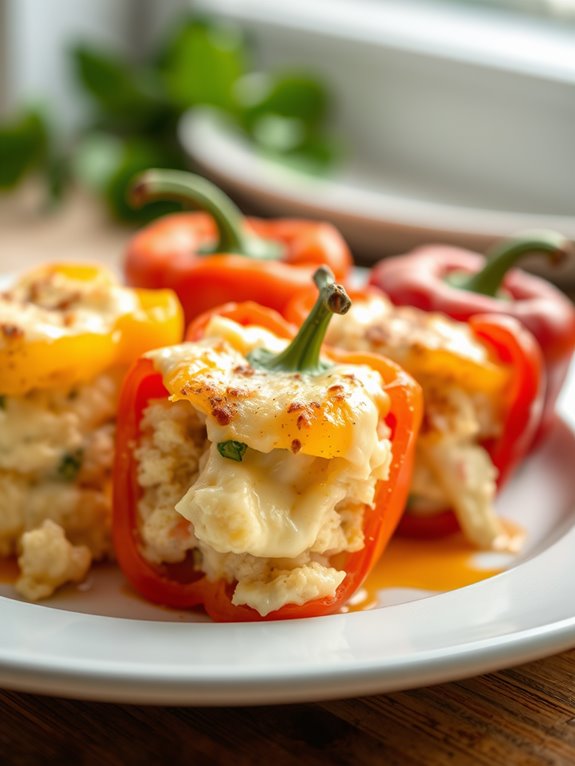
(506, 254)
(199, 193)
(303, 353)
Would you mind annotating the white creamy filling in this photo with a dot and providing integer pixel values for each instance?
(270, 505)
(56, 453)
(48, 560)
(34, 439)
(292, 586)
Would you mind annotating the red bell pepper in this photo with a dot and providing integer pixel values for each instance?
(184, 586)
(513, 346)
(460, 283)
(209, 258)
(516, 348)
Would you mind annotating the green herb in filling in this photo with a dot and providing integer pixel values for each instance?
(232, 450)
(70, 465)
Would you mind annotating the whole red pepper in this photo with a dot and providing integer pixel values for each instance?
(212, 257)
(512, 345)
(183, 586)
(461, 283)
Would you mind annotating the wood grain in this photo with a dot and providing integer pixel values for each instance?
(523, 716)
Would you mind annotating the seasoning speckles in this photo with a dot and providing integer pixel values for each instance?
(295, 446)
(223, 414)
(303, 421)
(245, 370)
(11, 331)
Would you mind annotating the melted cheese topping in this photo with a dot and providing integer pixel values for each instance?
(423, 342)
(51, 301)
(315, 450)
(332, 414)
(280, 501)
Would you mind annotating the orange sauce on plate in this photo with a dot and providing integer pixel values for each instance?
(9, 570)
(431, 565)
(434, 565)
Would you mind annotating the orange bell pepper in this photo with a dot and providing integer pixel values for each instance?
(209, 258)
(184, 585)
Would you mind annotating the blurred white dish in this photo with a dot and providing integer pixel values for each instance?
(456, 118)
(376, 219)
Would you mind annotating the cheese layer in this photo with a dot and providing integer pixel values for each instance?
(51, 300)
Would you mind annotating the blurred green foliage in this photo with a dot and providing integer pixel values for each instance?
(23, 147)
(135, 110)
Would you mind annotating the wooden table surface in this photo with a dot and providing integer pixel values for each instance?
(524, 715)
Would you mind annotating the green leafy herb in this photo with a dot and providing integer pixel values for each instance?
(291, 95)
(232, 450)
(137, 106)
(108, 164)
(128, 97)
(22, 147)
(202, 63)
(70, 465)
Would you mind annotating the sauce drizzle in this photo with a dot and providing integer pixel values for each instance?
(9, 571)
(434, 565)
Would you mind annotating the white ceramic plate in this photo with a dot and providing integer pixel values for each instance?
(375, 215)
(101, 642)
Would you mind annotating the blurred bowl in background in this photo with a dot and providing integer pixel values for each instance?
(375, 219)
(456, 121)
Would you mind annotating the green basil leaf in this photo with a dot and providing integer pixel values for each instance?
(23, 144)
(316, 156)
(132, 98)
(97, 156)
(139, 154)
(291, 95)
(70, 465)
(202, 64)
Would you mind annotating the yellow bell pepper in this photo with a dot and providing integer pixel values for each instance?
(53, 334)
(485, 375)
(319, 418)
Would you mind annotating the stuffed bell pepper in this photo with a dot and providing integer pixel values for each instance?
(255, 476)
(67, 335)
(214, 255)
(482, 395)
(461, 284)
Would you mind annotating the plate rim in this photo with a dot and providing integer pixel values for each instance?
(225, 155)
